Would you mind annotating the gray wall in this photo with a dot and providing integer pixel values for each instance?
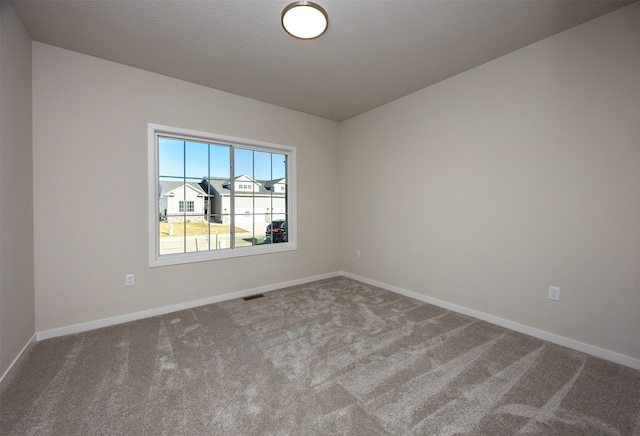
(90, 149)
(486, 188)
(17, 313)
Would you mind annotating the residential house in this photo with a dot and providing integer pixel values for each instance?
(256, 202)
(182, 201)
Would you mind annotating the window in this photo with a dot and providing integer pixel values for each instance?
(213, 197)
(189, 205)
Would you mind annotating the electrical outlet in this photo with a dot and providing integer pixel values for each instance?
(554, 293)
(358, 254)
(129, 280)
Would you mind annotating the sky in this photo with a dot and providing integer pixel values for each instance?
(213, 160)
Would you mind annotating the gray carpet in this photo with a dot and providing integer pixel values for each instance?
(331, 357)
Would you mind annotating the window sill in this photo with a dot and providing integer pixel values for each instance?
(202, 256)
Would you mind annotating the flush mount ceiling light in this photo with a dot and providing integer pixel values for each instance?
(304, 20)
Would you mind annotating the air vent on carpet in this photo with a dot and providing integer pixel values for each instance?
(253, 297)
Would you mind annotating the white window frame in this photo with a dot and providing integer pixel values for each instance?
(155, 259)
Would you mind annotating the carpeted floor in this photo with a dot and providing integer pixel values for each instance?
(330, 357)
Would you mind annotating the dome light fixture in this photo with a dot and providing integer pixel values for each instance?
(304, 20)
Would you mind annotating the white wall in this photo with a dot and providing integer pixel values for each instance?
(17, 316)
(90, 142)
(486, 188)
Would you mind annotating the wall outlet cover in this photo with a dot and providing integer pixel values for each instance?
(554, 293)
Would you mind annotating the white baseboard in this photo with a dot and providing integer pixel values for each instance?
(540, 334)
(21, 355)
(106, 322)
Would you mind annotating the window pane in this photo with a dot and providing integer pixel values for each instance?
(197, 160)
(170, 157)
(279, 209)
(220, 165)
(197, 236)
(169, 188)
(278, 166)
(262, 165)
(171, 235)
(244, 229)
(277, 231)
(171, 215)
(261, 221)
(243, 160)
(220, 235)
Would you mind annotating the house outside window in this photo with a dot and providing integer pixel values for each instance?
(213, 196)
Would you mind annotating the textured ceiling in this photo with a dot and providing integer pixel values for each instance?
(373, 52)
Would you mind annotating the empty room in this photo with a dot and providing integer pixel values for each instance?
(411, 217)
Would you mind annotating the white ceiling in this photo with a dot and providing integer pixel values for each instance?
(373, 52)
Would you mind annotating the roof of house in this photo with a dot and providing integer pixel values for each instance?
(268, 184)
(168, 186)
(221, 186)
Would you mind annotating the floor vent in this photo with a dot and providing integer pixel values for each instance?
(253, 297)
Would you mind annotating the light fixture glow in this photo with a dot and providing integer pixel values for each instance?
(304, 20)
